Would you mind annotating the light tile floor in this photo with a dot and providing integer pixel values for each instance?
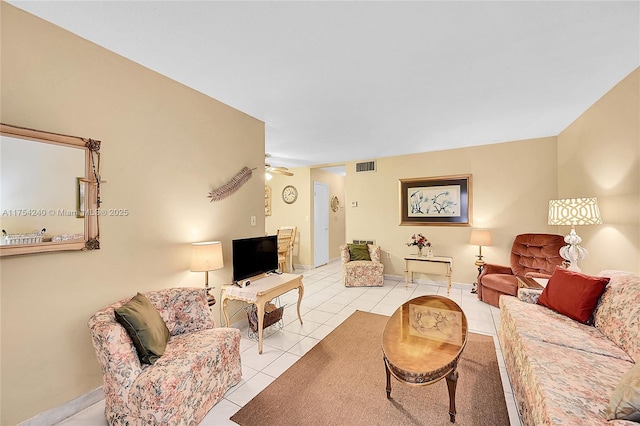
(326, 303)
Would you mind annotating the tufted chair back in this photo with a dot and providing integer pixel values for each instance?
(536, 253)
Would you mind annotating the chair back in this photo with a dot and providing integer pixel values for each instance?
(286, 241)
(536, 253)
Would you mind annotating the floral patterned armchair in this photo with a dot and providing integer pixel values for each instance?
(362, 273)
(200, 363)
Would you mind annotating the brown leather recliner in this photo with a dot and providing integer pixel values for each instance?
(531, 255)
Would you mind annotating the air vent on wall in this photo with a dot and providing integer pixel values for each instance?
(366, 166)
(364, 242)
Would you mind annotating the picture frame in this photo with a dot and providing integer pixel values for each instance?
(80, 198)
(441, 200)
(267, 200)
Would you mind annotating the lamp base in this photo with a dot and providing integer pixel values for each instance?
(573, 252)
(480, 264)
(211, 300)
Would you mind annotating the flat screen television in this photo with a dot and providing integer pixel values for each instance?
(254, 256)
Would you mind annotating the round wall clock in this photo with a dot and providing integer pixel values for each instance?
(289, 194)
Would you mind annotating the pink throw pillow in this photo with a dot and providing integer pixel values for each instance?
(573, 294)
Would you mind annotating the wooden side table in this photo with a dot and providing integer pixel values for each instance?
(437, 265)
(528, 282)
(260, 292)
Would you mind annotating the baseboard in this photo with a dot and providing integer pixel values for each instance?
(311, 267)
(62, 412)
(299, 267)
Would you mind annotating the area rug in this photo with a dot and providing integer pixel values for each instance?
(341, 381)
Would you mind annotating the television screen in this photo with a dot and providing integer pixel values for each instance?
(254, 256)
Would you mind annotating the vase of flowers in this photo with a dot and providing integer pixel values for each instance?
(420, 241)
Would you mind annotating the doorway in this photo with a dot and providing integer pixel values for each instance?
(320, 224)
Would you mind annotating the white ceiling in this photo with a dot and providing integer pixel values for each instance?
(343, 81)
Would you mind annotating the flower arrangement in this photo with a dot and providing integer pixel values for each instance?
(419, 240)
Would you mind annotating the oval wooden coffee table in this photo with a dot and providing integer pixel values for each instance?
(422, 343)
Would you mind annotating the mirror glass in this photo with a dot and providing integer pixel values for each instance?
(30, 203)
(47, 196)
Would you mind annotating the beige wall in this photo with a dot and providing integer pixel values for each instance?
(511, 183)
(599, 156)
(164, 147)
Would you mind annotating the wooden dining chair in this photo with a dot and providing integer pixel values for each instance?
(286, 241)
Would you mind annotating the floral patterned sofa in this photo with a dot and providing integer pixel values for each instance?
(563, 371)
(200, 363)
(362, 273)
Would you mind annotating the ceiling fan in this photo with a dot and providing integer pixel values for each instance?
(269, 169)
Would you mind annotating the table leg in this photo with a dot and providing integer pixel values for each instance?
(452, 381)
(260, 305)
(386, 367)
(300, 293)
(225, 301)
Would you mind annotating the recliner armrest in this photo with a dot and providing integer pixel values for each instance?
(537, 275)
(491, 268)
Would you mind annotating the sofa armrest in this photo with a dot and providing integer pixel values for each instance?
(116, 354)
(345, 256)
(529, 295)
(374, 253)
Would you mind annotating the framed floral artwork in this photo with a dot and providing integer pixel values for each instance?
(442, 200)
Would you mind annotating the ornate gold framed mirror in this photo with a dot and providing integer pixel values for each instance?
(50, 191)
(335, 203)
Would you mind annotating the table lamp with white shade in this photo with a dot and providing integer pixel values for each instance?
(574, 211)
(205, 257)
(479, 237)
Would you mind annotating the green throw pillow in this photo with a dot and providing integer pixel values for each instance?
(145, 327)
(359, 252)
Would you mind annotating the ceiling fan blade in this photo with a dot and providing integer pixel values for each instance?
(279, 171)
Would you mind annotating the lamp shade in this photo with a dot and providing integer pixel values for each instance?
(574, 211)
(480, 237)
(206, 256)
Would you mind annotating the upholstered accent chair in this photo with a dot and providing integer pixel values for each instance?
(200, 363)
(533, 255)
(362, 273)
